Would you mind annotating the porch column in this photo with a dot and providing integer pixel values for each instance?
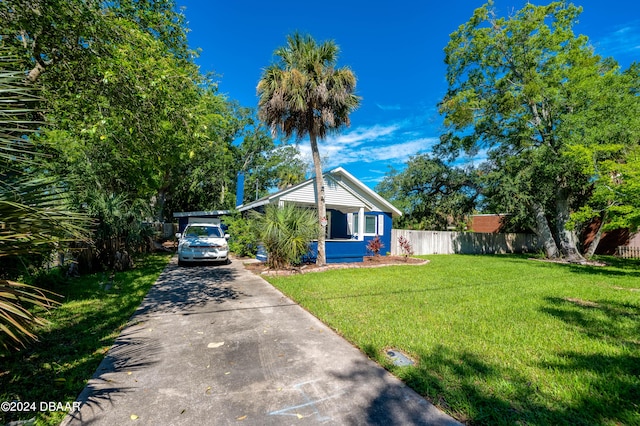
(361, 224)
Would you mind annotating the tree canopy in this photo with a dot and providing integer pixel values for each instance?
(130, 128)
(431, 193)
(530, 92)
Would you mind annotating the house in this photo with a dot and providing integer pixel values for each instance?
(355, 214)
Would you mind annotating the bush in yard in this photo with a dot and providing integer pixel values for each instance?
(405, 246)
(286, 232)
(375, 245)
(243, 241)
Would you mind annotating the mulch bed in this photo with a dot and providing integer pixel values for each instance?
(369, 262)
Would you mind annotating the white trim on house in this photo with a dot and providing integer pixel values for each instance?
(342, 192)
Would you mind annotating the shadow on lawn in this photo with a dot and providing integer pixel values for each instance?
(469, 400)
(56, 367)
(614, 266)
(615, 378)
(608, 320)
(472, 400)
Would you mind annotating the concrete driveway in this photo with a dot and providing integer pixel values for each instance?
(218, 345)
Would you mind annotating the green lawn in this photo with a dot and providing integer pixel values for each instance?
(71, 346)
(497, 339)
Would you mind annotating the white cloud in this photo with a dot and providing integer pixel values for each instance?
(389, 107)
(370, 146)
(368, 151)
(362, 134)
(624, 40)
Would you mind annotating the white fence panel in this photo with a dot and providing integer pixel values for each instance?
(627, 252)
(445, 242)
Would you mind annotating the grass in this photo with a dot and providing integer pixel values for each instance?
(95, 308)
(497, 339)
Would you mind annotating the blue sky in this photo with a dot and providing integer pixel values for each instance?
(394, 48)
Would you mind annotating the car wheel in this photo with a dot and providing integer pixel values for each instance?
(180, 263)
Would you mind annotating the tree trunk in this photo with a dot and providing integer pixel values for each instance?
(596, 238)
(162, 196)
(544, 232)
(161, 200)
(566, 237)
(322, 208)
(35, 73)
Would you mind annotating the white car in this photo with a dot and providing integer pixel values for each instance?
(202, 242)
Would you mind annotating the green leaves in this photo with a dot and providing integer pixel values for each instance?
(34, 216)
(304, 93)
(286, 232)
(547, 110)
(432, 194)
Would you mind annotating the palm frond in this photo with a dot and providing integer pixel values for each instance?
(16, 321)
(34, 218)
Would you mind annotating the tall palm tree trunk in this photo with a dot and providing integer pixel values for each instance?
(322, 208)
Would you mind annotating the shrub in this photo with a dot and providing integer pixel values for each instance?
(375, 245)
(286, 233)
(405, 246)
(243, 241)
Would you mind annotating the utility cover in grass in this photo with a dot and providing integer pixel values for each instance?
(398, 358)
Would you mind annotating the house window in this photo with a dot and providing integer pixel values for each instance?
(370, 224)
(373, 224)
(354, 227)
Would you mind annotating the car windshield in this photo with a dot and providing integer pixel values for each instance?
(204, 231)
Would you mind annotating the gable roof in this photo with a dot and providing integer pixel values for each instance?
(342, 191)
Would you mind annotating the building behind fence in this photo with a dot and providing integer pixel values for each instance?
(445, 242)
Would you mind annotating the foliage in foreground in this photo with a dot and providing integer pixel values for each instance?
(243, 241)
(34, 218)
(497, 339)
(75, 338)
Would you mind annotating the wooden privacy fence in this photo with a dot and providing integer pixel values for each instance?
(445, 242)
(627, 252)
(163, 229)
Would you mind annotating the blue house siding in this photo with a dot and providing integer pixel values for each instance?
(344, 250)
(346, 198)
(339, 251)
(385, 238)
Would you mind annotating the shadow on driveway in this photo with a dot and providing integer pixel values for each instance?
(179, 289)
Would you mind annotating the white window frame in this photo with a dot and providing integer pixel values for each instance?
(367, 220)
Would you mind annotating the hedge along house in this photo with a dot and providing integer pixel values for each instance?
(355, 214)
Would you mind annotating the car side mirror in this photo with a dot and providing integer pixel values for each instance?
(178, 235)
(227, 236)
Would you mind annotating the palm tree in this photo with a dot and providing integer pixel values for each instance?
(286, 232)
(303, 93)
